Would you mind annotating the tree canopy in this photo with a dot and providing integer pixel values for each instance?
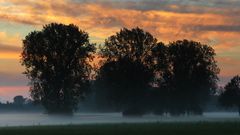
(135, 44)
(231, 95)
(128, 72)
(19, 100)
(139, 74)
(57, 63)
(193, 76)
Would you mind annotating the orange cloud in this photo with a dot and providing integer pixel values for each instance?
(14, 40)
(10, 46)
(229, 66)
(168, 21)
(93, 17)
(11, 55)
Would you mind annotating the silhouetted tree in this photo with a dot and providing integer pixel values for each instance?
(19, 100)
(57, 63)
(161, 66)
(193, 76)
(128, 72)
(126, 85)
(231, 96)
(134, 44)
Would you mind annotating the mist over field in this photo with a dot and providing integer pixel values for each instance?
(38, 119)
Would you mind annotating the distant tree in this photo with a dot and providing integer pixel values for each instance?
(19, 100)
(8, 103)
(57, 63)
(127, 74)
(231, 96)
(193, 76)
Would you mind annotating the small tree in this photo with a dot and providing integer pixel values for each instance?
(231, 95)
(19, 100)
(56, 60)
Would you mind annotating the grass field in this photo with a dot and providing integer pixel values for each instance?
(201, 128)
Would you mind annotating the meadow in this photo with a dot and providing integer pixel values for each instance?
(177, 128)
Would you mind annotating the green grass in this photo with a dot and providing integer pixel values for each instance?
(201, 128)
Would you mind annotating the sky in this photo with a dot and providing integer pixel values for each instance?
(213, 22)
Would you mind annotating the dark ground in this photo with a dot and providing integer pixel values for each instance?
(196, 128)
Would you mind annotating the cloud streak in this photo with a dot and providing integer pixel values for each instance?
(218, 28)
(11, 79)
(229, 7)
(168, 20)
(9, 48)
(7, 93)
(216, 23)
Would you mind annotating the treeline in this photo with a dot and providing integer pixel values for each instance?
(20, 104)
(137, 74)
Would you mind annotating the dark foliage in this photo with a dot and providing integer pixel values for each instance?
(134, 44)
(126, 75)
(19, 100)
(231, 95)
(125, 83)
(159, 93)
(138, 75)
(56, 60)
(193, 76)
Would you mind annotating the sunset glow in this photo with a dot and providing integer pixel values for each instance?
(215, 23)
